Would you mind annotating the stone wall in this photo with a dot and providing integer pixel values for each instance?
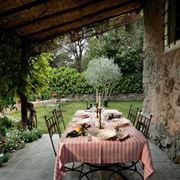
(161, 82)
(117, 97)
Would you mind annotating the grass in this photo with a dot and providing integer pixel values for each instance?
(70, 108)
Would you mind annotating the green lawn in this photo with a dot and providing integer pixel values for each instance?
(70, 108)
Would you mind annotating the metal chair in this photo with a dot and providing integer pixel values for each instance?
(58, 116)
(132, 115)
(143, 123)
(52, 129)
(57, 113)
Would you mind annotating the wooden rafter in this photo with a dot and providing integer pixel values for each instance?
(47, 10)
(79, 23)
(40, 20)
(100, 28)
(14, 8)
(58, 18)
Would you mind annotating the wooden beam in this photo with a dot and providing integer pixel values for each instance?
(22, 7)
(43, 11)
(100, 28)
(6, 5)
(45, 35)
(86, 11)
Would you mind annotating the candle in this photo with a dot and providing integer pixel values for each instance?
(99, 99)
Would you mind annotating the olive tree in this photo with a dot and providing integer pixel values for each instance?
(102, 74)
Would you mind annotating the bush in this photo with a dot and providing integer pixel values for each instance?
(13, 141)
(5, 157)
(129, 84)
(67, 81)
(16, 139)
(5, 123)
(29, 136)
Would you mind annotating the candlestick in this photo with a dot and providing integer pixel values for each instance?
(100, 125)
(96, 110)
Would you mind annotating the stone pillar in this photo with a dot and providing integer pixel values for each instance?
(161, 82)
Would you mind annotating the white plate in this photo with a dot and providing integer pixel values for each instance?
(102, 133)
(122, 135)
(121, 121)
(114, 120)
(80, 121)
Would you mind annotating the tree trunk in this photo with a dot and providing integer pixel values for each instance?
(24, 60)
(23, 99)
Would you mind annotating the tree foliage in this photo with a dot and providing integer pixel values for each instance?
(70, 53)
(65, 81)
(39, 71)
(125, 46)
(14, 80)
(121, 46)
(102, 74)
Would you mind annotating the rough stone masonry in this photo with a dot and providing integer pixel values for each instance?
(161, 82)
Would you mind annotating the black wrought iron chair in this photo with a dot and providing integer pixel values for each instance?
(57, 113)
(52, 129)
(143, 123)
(59, 119)
(132, 115)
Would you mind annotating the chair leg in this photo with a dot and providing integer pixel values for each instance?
(53, 146)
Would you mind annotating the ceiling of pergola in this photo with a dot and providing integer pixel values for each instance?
(40, 20)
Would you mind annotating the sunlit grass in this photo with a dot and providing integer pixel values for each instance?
(71, 107)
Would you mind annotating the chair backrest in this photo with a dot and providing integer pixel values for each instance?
(52, 129)
(57, 113)
(132, 115)
(143, 123)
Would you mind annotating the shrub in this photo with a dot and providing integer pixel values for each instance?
(66, 81)
(16, 139)
(5, 157)
(5, 123)
(13, 141)
(29, 136)
(131, 83)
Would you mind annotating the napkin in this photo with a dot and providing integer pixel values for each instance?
(73, 133)
(111, 114)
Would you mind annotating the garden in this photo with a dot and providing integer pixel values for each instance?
(76, 69)
(15, 138)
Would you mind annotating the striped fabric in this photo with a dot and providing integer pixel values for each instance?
(94, 150)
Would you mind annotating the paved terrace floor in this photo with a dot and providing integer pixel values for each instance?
(36, 162)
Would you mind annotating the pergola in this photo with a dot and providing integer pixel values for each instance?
(37, 21)
(41, 20)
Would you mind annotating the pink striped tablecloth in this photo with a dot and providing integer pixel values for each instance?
(94, 150)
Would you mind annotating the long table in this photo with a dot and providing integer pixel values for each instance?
(94, 150)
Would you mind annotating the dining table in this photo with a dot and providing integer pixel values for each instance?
(109, 138)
